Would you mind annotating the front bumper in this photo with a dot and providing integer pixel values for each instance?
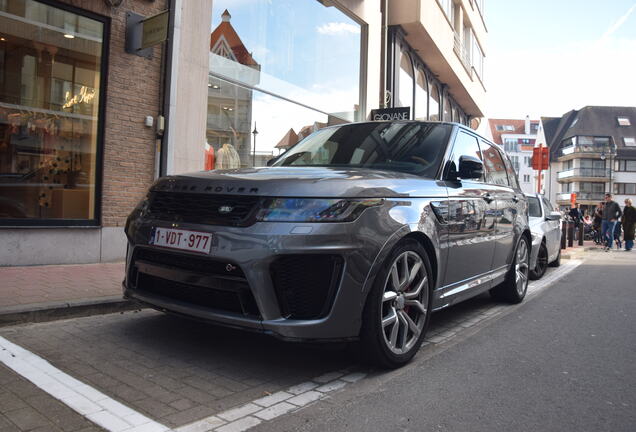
(254, 251)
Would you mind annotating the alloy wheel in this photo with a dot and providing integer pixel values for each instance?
(404, 302)
(522, 267)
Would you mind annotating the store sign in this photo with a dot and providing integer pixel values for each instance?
(154, 30)
(389, 114)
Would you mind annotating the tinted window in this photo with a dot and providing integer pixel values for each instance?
(548, 205)
(512, 174)
(416, 148)
(534, 208)
(465, 145)
(495, 168)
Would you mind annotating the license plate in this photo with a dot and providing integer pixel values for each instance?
(193, 241)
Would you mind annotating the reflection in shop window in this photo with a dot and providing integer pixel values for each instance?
(433, 103)
(405, 81)
(49, 110)
(421, 97)
(282, 69)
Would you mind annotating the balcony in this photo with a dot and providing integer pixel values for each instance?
(591, 197)
(591, 150)
(582, 174)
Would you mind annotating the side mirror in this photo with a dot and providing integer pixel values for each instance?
(470, 167)
(554, 216)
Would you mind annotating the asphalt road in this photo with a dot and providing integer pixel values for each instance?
(563, 361)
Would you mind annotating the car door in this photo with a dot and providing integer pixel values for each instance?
(471, 220)
(506, 198)
(553, 233)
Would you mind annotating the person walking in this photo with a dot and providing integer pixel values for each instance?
(611, 213)
(629, 224)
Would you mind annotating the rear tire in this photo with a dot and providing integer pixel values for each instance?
(542, 263)
(398, 308)
(514, 288)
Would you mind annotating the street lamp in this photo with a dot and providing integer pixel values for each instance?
(254, 132)
(609, 155)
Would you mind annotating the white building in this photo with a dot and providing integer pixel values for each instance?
(517, 137)
(592, 151)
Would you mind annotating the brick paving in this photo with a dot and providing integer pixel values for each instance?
(37, 285)
(24, 407)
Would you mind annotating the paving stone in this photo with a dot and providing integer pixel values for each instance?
(204, 425)
(58, 413)
(240, 425)
(239, 412)
(272, 399)
(9, 402)
(187, 416)
(153, 408)
(26, 418)
(305, 398)
(328, 377)
(331, 386)
(353, 377)
(302, 388)
(182, 404)
(275, 411)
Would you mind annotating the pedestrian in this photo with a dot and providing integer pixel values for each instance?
(629, 223)
(617, 235)
(596, 223)
(575, 214)
(611, 214)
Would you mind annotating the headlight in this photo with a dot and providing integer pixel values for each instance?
(314, 209)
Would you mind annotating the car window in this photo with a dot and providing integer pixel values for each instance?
(416, 148)
(548, 205)
(534, 207)
(495, 167)
(465, 145)
(512, 175)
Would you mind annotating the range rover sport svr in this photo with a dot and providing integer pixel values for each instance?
(358, 232)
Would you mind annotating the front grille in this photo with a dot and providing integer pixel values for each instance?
(229, 292)
(305, 285)
(203, 208)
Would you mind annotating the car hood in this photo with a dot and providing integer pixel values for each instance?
(303, 182)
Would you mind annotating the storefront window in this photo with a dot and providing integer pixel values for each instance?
(421, 96)
(50, 89)
(446, 107)
(405, 82)
(433, 103)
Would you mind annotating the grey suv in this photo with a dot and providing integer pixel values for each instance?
(359, 231)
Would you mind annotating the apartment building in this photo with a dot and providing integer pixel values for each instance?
(517, 138)
(592, 151)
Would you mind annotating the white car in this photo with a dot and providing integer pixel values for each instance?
(545, 225)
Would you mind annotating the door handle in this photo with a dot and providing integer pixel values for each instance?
(488, 198)
(515, 198)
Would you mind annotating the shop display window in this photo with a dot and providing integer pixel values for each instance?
(280, 68)
(51, 62)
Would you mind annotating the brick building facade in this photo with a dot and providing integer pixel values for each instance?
(124, 89)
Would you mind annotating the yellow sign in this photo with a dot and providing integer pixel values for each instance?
(154, 29)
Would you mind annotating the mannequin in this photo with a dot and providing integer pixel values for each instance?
(227, 157)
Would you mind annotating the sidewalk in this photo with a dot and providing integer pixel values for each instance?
(41, 293)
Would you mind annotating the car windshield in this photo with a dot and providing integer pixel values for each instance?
(534, 208)
(412, 147)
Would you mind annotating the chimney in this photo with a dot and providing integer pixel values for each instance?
(527, 128)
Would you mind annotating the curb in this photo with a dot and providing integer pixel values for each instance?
(42, 312)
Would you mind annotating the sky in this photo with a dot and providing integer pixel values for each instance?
(547, 57)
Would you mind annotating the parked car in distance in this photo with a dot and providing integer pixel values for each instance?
(358, 232)
(545, 225)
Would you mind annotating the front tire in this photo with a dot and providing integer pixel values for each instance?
(514, 288)
(398, 308)
(542, 263)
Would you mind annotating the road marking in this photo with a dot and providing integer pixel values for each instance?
(116, 417)
(90, 403)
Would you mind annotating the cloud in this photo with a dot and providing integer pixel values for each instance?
(338, 28)
(619, 22)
